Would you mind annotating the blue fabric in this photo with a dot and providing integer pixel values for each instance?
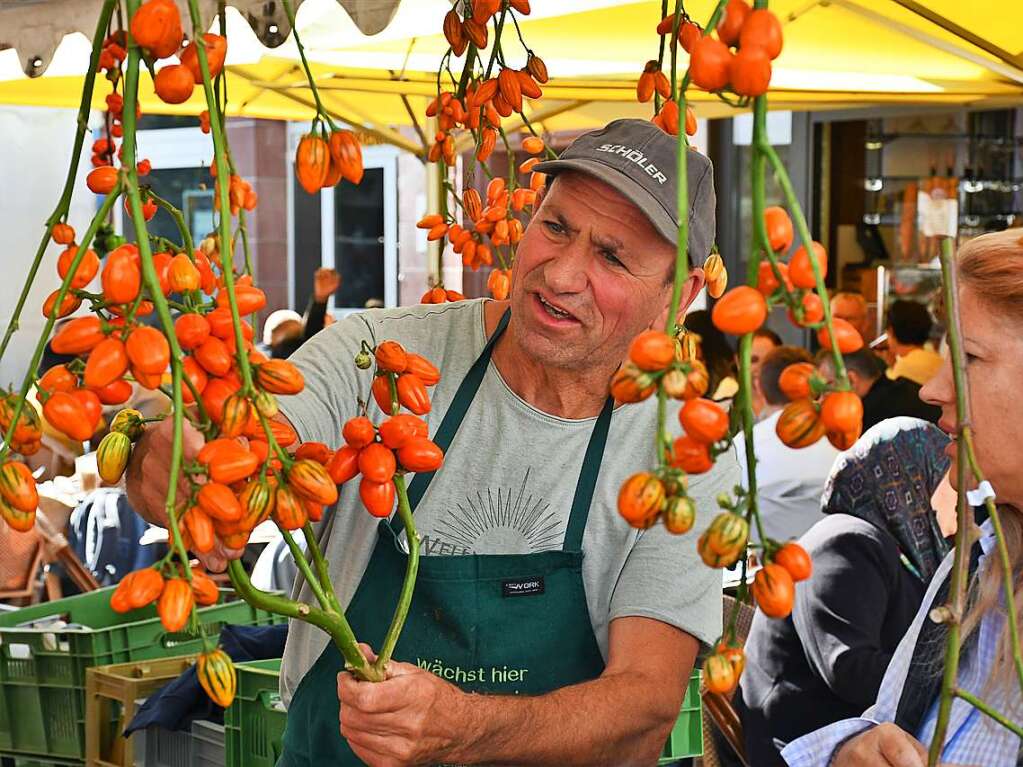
(972, 739)
(182, 701)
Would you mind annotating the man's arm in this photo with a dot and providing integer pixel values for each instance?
(621, 718)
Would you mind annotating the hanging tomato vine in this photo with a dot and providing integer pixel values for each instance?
(226, 389)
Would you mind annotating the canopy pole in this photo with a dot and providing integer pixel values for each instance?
(434, 194)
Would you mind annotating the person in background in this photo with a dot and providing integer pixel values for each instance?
(717, 354)
(789, 481)
(894, 730)
(879, 537)
(764, 340)
(882, 396)
(852, 307)
(909, 355)
(285, 331)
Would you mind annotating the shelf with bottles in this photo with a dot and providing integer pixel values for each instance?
(876, 141)
(992, 221)
(966, 183)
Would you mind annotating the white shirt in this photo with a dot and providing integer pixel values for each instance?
(790, 482)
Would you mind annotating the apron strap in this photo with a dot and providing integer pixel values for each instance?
(456, 413)
(588, 479)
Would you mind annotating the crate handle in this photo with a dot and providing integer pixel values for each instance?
(19, 651)
(271, 700)
(172, 639)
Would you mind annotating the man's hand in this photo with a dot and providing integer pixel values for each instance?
(413, 717)
(886, 745)
(325, 284)
(148, 478)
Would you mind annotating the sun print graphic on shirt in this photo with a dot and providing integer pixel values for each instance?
(500, 520)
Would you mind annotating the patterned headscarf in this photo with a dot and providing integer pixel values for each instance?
(887, 478)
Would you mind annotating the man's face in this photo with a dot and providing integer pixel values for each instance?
(854, 312)
(591, 272)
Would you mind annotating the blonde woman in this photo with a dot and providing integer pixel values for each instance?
(895, 731)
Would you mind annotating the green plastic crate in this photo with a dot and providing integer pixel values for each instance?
(254, 723)
(686, 738)
(42, 670)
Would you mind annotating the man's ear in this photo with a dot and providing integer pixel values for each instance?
(690, 290)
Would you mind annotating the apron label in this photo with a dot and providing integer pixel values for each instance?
(522, 587)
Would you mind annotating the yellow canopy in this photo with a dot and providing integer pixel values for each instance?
(838, 53)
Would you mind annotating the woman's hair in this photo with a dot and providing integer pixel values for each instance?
(992, 265)
(715, 350)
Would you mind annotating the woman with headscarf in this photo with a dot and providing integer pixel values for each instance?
(873, 555)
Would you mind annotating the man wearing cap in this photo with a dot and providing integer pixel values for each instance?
(581, 631)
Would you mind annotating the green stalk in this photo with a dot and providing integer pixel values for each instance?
(179, 222)
(313, 546)
(152, 281)
(960, 561)
(328, 622)
(303, 566)
(984, 708)
(782, 177)
(408, 585)
(674, 50)
(305, 64)
(37, 355)
(224, 179)
(682, 246)
(106, 11)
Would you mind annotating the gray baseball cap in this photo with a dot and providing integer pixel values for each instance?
(638, 159)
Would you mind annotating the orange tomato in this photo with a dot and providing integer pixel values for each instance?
(216, 54)
(391, 357)
(794, 558)
(145, 586)
(69, 305)
(183, 275)
(121, 278)
(412, 394)
(399, 429)
(652, 350)
(691, 456)
(219, 502)
(115, 393)
(739, 311)
(732, 21)
(421, 367)
(102, 180)
(280, 377)
(377, 497)
(842, 411)
(174, 84)
(710, 64)
(420, 454)
(148, 350)
(343, 465)
(156, 26)
(774, 591)
(779, 228)
(377, 462)
(799, 425)
(63, 234)
(704, 421)
(66, 414)
(767, 283)
(719, 675)
(312, 162)
(813, 310)
(229, 467)
(175, 604)
(18, 486)
(289, 510)
(630, 384)
(78, 336)
(57, 378)
(849, 338)
(801, 269)
(200, 529)
(87, 267)
(641, 499)
(191, 330)
(794, 380)
(751, 72)
(762, 30)
(311, 480)
(316, 451)
(359, 432)
(214, 356)
(107, 362)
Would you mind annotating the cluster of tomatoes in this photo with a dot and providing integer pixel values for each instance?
(479, 108)
(652, 80)
(156, 27)
(774, 591)
(658, 361)
(757, 36)
(175, 598)
(323, 160)
(400, 443)
(814, 411)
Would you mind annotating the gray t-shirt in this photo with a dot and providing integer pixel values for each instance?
(507, 483)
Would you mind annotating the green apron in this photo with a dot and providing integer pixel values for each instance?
(491, 623)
